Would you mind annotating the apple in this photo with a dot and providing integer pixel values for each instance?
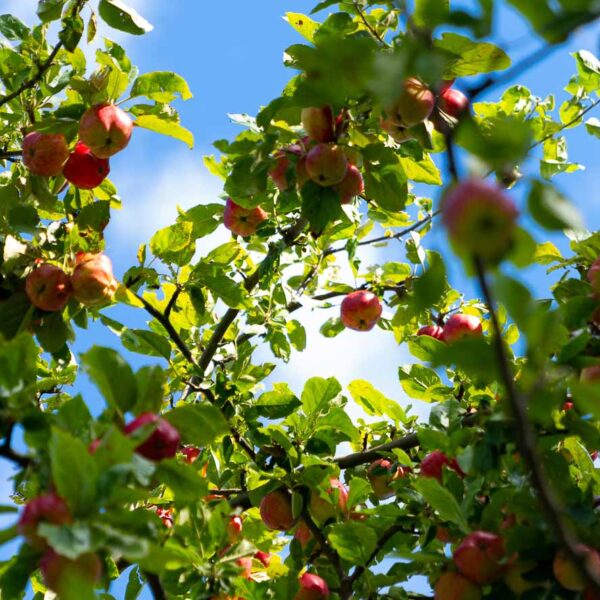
(322, 510)
(593, 276)
(245, 562)
(590, 374)
(234, 529)
(48, 287)
(161, 443)
(459, 326)
(263, 557)
(92, 280)
(276, 511)
(360, 310)
(63, 575)
(413, 105)
(398, 133)
(381, 472)
(242, 221)
(433, 463)
(191, 453)
(446, 84)
(480, 219)
(453, 102)
(568, 406)
(303, 534)
(301, 172)
(278, 173)
(514, 580)
(312, 587)
(47, 508)
(568, 573)
(318, 123)
(434, 331)
(326, 164)
(105, 129)
(443, 535)
(45, 153)
(85, 170)
(351, 186)
(94, 445)
(479, 557)
(165, 515)
(454, 586)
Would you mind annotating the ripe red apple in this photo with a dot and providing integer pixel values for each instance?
(246, 565)
(61, 574)
(454, 586)
(360, 310)
(434, 331)
(48, 287)
(590, 374)
(326, 164)
(45, 153)
(93, 281)
(263, 557)
(85, 170)
(47, 508)
(593, 276)
(432, 465)
(191, 453)
(453, 102)
(303, 534)
(278, 173)
(234, 529)
(165, 515)
(568, 406)
(301, 172)
(480, 219)
(479, 557)
(351, 186)
(312, 587)
(568, 573)
(242, 221)
(381, 473)
(161, 443)
(398, 133)
(413, 105)
(276, 511)
(323, 510)
(459, 326)
(318, 123)
(106, 129)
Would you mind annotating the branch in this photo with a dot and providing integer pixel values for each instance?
(368, 25)
(6, 450)
(158, 593)
(10, 154)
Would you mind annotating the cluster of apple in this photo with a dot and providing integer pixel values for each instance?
(104, 130)
(458, 326)
(91, 283)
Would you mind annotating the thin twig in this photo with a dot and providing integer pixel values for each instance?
(6, 450)
(368, 25)
(172, 301)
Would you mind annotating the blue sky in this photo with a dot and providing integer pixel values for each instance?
(231, 56)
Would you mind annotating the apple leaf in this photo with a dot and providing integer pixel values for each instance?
(304, 25)
(373, 402)
(168, 128)
(442, 501)
(122, 17)
(320, 205)
(174, 244)
(50, 10)
(471, 58)
(198, 424)
(353, 541)
(183, 479)
(161, 86)
(278, 403)
(551, 209)
(317, 394)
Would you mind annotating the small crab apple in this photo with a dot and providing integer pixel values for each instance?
(161, 443)
(242, 221)
(593, 276)
(381, 473)
(92, 280)
(434, 331)
(480, 219)
(568, 574)
(45, 153)
(413, 105)
(360, 310)
(453, 102)
(85, 170)
(323, 510)
(479, 557)
(433, 463)
(48, 287)
(47, 508)
(63, 575)
(590, 374)
(276, 511)
(263, 557)
(326, 164)
(234, 529)
(398, 133)
(106, 129)
(454, 586)
(312, 587)
(351, 186)
(459, 326)
(318, 123)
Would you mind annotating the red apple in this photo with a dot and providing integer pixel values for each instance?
(434, 331)
(432, 465)
(165, 515)
(326, 164)
(446, 84)
(312, 587)
(106, 129)
(593, 276)
(322, 510)
(191, 453)
(246, 565)
(63, 575)
(480, 219)
(318, 123)
(85, 170)
(301, 172)
(161, 443)
(453, 102)
(48, 288)
(479, 557)
(234, 529)
(413, 105)
(568, 406)
(47, 508)
(94, 445)
(242, 221)
(351, 186)
(381, 473)
(459, 326)
(93, 281)
(360, 310)
(45, 153)
(276, 511)
(568, 573)
(278, 173)
(303, 534)
(590, 374)
(398, 133)
(454, 586)
(263, 557)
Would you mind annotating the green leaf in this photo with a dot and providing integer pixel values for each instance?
(68, 540)
(552, 210)
(12, 28)
(373, 402)
(122, 17)
(593, 126)
(320, 205)
(146, 342)
(198, 424)
(385, 178)
(230, 291)
(151, 383)
(205, 218)
(70, 34)
(442, 501)
(174, 244)
(112, 375)
(421, 171)
(304, 25)
(332, 327)
(186, 483)
(467, 57)
(297, 334)
(134, 585)
(50, 10)
(278, 403)
(161, 86)
(164, 127)
(429, 288)
(423, 383)
(353, 541)
(430, 13)
(317, 394)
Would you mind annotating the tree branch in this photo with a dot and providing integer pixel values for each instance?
(368, 25)
(6, 450)
(158, 593)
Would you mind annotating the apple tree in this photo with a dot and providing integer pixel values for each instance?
(196, 479)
